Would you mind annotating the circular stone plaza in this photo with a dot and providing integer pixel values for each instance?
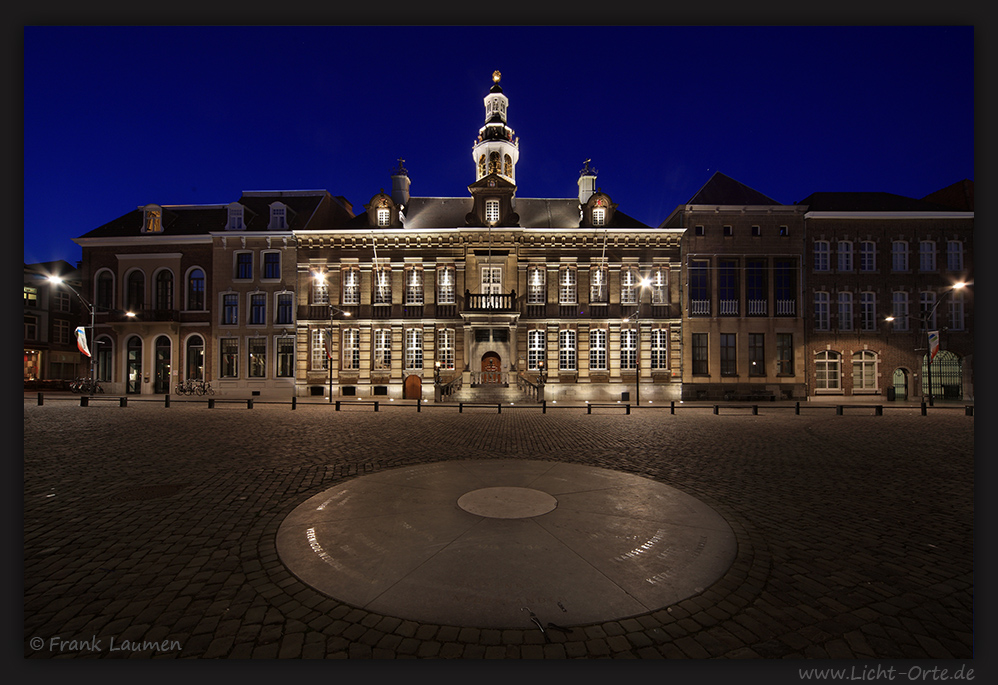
(281, 531)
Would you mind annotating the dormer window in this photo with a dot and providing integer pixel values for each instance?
(599, 216)
(384, 216)
(278, 217)
(152, 219)
(235, 222)
(598, 210)
(492, 212)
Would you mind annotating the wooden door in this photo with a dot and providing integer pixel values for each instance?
(491, 372)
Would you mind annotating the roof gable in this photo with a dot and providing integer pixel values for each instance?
(724, 190)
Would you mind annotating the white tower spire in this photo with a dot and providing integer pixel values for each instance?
(496, 150)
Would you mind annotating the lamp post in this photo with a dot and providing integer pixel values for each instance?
(636, 317)
(924, 320)
(58, 280)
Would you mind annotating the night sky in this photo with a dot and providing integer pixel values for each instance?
(118, 117)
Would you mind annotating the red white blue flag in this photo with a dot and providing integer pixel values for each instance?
(933, 345)
(81, 340)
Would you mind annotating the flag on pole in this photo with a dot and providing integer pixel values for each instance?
(329, 352)
(81, 340)
(933, 345)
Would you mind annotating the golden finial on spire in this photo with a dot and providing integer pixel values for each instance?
(496, 76)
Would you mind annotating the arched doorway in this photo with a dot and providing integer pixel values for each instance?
(947, 376)
(412, 389)
(161, 383)
(491, 369)
(900, 383)
(133, 365)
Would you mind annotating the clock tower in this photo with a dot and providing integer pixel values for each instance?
(496, 150)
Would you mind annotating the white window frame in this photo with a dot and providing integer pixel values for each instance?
(536, 348)
(629, 348)
(822, 252)
(382, 283)
(446, 285)
(414, 349)
(660, 348)
(599, 291)
(868, 311)
(320, 289)
(659, 285)
(414, 285)
(568, 359)
(629, 280)
(927, 255)
(868, 256)
(599, 216)
(899, 310)
(318, 349)
(821, 310)
(350, 353)
(843, 254)
(350, 293)
(845, 302)
(384, 216)
(597, 349)
(828, 371)
(492, 212)
(865, 366)
(382, 341)
(256, 359)
(899, 255)
(536, 284)
(446, 338)
(568, 291)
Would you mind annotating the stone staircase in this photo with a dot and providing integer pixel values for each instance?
(490, 394)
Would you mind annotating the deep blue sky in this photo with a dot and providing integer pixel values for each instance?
(117, 117)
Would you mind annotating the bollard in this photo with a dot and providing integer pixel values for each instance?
(294, 402)
(419, 406)
(923, 408)
(337, 405)
(969, 410)
(249, 403)
(460, 407)
(40, 400)
(123, 402)
(838, 410)
(589, 408)
(628, 407)
(797, 408)
(544, 406)
(166, 400)
(878, 410)
(85, 401)
(755, 410)
(211, 403)
(672, 407)
(376, 405)
(499, 407)
(715, 408)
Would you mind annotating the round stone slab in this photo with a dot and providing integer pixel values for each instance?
(507, 503)
(483, 543)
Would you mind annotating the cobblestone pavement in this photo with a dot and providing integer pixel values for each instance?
(149, 531)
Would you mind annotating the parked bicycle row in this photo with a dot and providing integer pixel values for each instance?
(194, 387)
(85, 385)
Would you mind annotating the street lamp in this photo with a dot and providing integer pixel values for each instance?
(929, 337)
(58, 280)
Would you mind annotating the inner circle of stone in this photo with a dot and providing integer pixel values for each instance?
(507, 502)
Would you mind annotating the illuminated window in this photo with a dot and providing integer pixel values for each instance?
(535, 348)
(598, 290)
(382, 285)
(384, 217)
(864, 371)
(568, 290)
(445, 348)
(567, 351)
(536, 285)
(320, 351)
(285, 356)
(229, 351)
(599, 216)
(351, 286)
(660, 348)
(351, 348)
(257, 357)
(446, 287)
(597, 349)
(414, 349)
(629, 285)
(628, 348)
(827, 370)
(659, 285)
(414, 285)
(492, 211)
(320, 289)
(382, 349)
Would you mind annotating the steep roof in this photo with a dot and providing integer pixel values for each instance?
(959, 196)
(724, 190)
(868, 202)
(308, 207)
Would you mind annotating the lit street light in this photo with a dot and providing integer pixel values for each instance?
(929, 338)
(58, 280)
(321, 278)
